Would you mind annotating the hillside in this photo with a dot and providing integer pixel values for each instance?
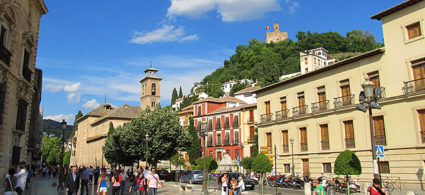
(267, 62)
(52, 127)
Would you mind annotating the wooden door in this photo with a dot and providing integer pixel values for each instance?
(251, 133)
(419, 76)
(301, 104)
(283, 107)
(251, 116)
(285, 141)
(269, 139)
(378, 123)
(267, 105)
(346, 98)
(322, 100)
(349, 130)
(325, 132)
(306, 168)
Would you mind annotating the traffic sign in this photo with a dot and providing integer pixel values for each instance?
(380, 153)
(239, 159)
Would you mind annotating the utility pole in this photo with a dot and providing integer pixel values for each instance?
(275, 167)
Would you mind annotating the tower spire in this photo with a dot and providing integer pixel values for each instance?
(151, 63)
(105, 98)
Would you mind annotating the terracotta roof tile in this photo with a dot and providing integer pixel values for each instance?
(248, 90)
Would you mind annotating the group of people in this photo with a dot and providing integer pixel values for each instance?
(17, 182)
(375, 189)
(232, 187)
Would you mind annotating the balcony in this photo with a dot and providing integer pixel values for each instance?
(5, 55)
(342, 101)
(325, 145)
(250, 120)
(350, 143)
(209, 144)
(283, 114)
(423, 136)
(285, 148)
(219, 142)
(300, 110)
(266, 117)
(250, 140)
(414, 86)
(304, 147)
(320, 106)
(380, 140)
(227, 142)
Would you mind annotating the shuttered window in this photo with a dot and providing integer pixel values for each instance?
(421, 114)
(269, 139)
(374, 78)
(414, 30)
(251, 133)
(267, 105)
(419, 75)
(349, 134)
(218, 124)
(303, 135)
(327, 168)
(21, 118)
(379, 127)
(251, 116)
(384, 167)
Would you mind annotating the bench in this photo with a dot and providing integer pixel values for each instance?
(187, 188)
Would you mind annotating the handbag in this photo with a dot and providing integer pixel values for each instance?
(13, 192)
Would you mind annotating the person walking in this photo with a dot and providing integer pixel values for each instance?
(90, 170)
(124, 178)
(318, 188)
(22, 178)
(139, 184)
(72, 182)
(102, 187)
(85, 176)
(116, 183)
(376, 188)
(153, 181)
(241, 186)
(233, 185)
(96, 175)
(224, 181)
(10, 182)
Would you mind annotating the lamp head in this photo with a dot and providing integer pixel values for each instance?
(375, 105)
(368, 88)
(63, 124)
(292, 140)
(361, 107)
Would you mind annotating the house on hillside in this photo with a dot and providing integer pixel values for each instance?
(314, 59)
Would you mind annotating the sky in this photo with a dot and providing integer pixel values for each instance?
(89, 50)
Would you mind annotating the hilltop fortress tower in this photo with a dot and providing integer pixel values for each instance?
(276, 35)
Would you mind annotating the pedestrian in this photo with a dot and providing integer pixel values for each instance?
(29, 175)
(241, 186)
(146, 173)
(85, 181)
(90, 174)
(22, 178)
(318, 188)
(72, 182)
(153, 181)
(376, 188)
(10, 182)
(224, 181)
(96, 175)
(116, 183)
(233, 185)
(139, 185)
(123, 179)
(102, 187)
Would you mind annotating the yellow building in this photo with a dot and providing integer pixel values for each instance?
(184, 116)
(317, 109)
(249, 119)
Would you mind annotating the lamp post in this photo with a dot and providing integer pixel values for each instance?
(61, 176)
(369, 97)
(292, 148)
(203, 134)
(146, 153)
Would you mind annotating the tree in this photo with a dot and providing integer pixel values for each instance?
(66, 157)
(210, 164)
(194, 150)
(174, 96)
(111, 129)
(77, 116)
(177, 160)
(261, 164)
(51, 150)
(255, 145)
(180, 92)
(237, 87)
(347, 163)
(246, 163)
(362, 41)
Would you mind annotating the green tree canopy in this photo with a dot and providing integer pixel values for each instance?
(262, 164)
(246, 163)
(210, 164)
(347, 163)
(111, 129)
(77, 116)
(174, 96)
(51, 150)
(66, 157)
(177, 160)
(180, 92)
(255, 146)
(237, 87)
(194, 150)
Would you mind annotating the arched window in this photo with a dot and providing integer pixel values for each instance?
(153, 88)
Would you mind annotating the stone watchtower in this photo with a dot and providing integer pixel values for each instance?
(276, 35)
(151, 88)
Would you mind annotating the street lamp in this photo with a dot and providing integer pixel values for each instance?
(292, 148)
(146, 153)
(370, 97)
(203, 134)
(61, 176)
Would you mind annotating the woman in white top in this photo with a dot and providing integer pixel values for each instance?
(224, 186)
(241, 186)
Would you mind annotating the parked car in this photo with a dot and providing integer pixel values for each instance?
(249, 183)
(163, 174)
(172, 175)
(192, 177)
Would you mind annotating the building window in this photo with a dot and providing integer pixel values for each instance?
(198, 126)
(226, 123)
(237, 153)
(414, 30)
(218, 124)
(218, 138)
(374, 78)
(345, 92)
(227, 138)
(287, 168)
(251, 116)
(267, 106)
(327, 168)
(421, 114)
(26, 72)
(269, 139)
(379, 127)
(3, 36)
(325, 136)
(303, 135)
(321, 94)
(199, 110)
(236, 138)
(236, 122)
(306, 70)
(283, 107)
(305, 60)
(251, 133)
(301, 103)
(21, 119)
(211, 153)
(384, 167)
(153, 88)
(210, 124)
(418, 67)
(2, 100)
(349, 134)
(153, 104)
(285, 141)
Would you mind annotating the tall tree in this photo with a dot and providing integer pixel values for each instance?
(180, 92)
(174, 96)
(51, 150)
(77, 116)
(194, 151)
(111, 129)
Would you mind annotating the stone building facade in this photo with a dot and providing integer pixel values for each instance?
(276, 35)
(20, 81)
(151, 89)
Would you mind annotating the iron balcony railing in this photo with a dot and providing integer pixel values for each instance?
(380, 140)
(304, 147)
(227, 142)
(344, 101)
(5, 55)
(320, 106)
(423, 136)
(300, 110)
(325, 145)
(219, 141)
(414, 86)
(282, 114)
(266, 117)
(285, 148)
(250, 140)
(209, 143)
(350, 143)
(250, 120)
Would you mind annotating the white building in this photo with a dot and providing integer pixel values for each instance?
(247, 94)
(227, 86)
(314, 59)
(177, 104)
(202, 95)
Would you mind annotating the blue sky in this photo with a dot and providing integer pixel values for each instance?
(89, 49)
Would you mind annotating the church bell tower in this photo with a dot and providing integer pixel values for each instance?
(151, 88)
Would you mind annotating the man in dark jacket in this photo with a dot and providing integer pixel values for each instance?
(72, 182)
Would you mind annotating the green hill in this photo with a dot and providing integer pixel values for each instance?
(267, 62)
(52, 127)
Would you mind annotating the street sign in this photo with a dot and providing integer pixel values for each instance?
(265, 148)
(239, 159)
(380, 153)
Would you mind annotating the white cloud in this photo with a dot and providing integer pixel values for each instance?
(72, 88)
(91, 104)
(53, 88)
(73, 97)
(60, 117)
(229, 10)
(292, 6)
(167, 33)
